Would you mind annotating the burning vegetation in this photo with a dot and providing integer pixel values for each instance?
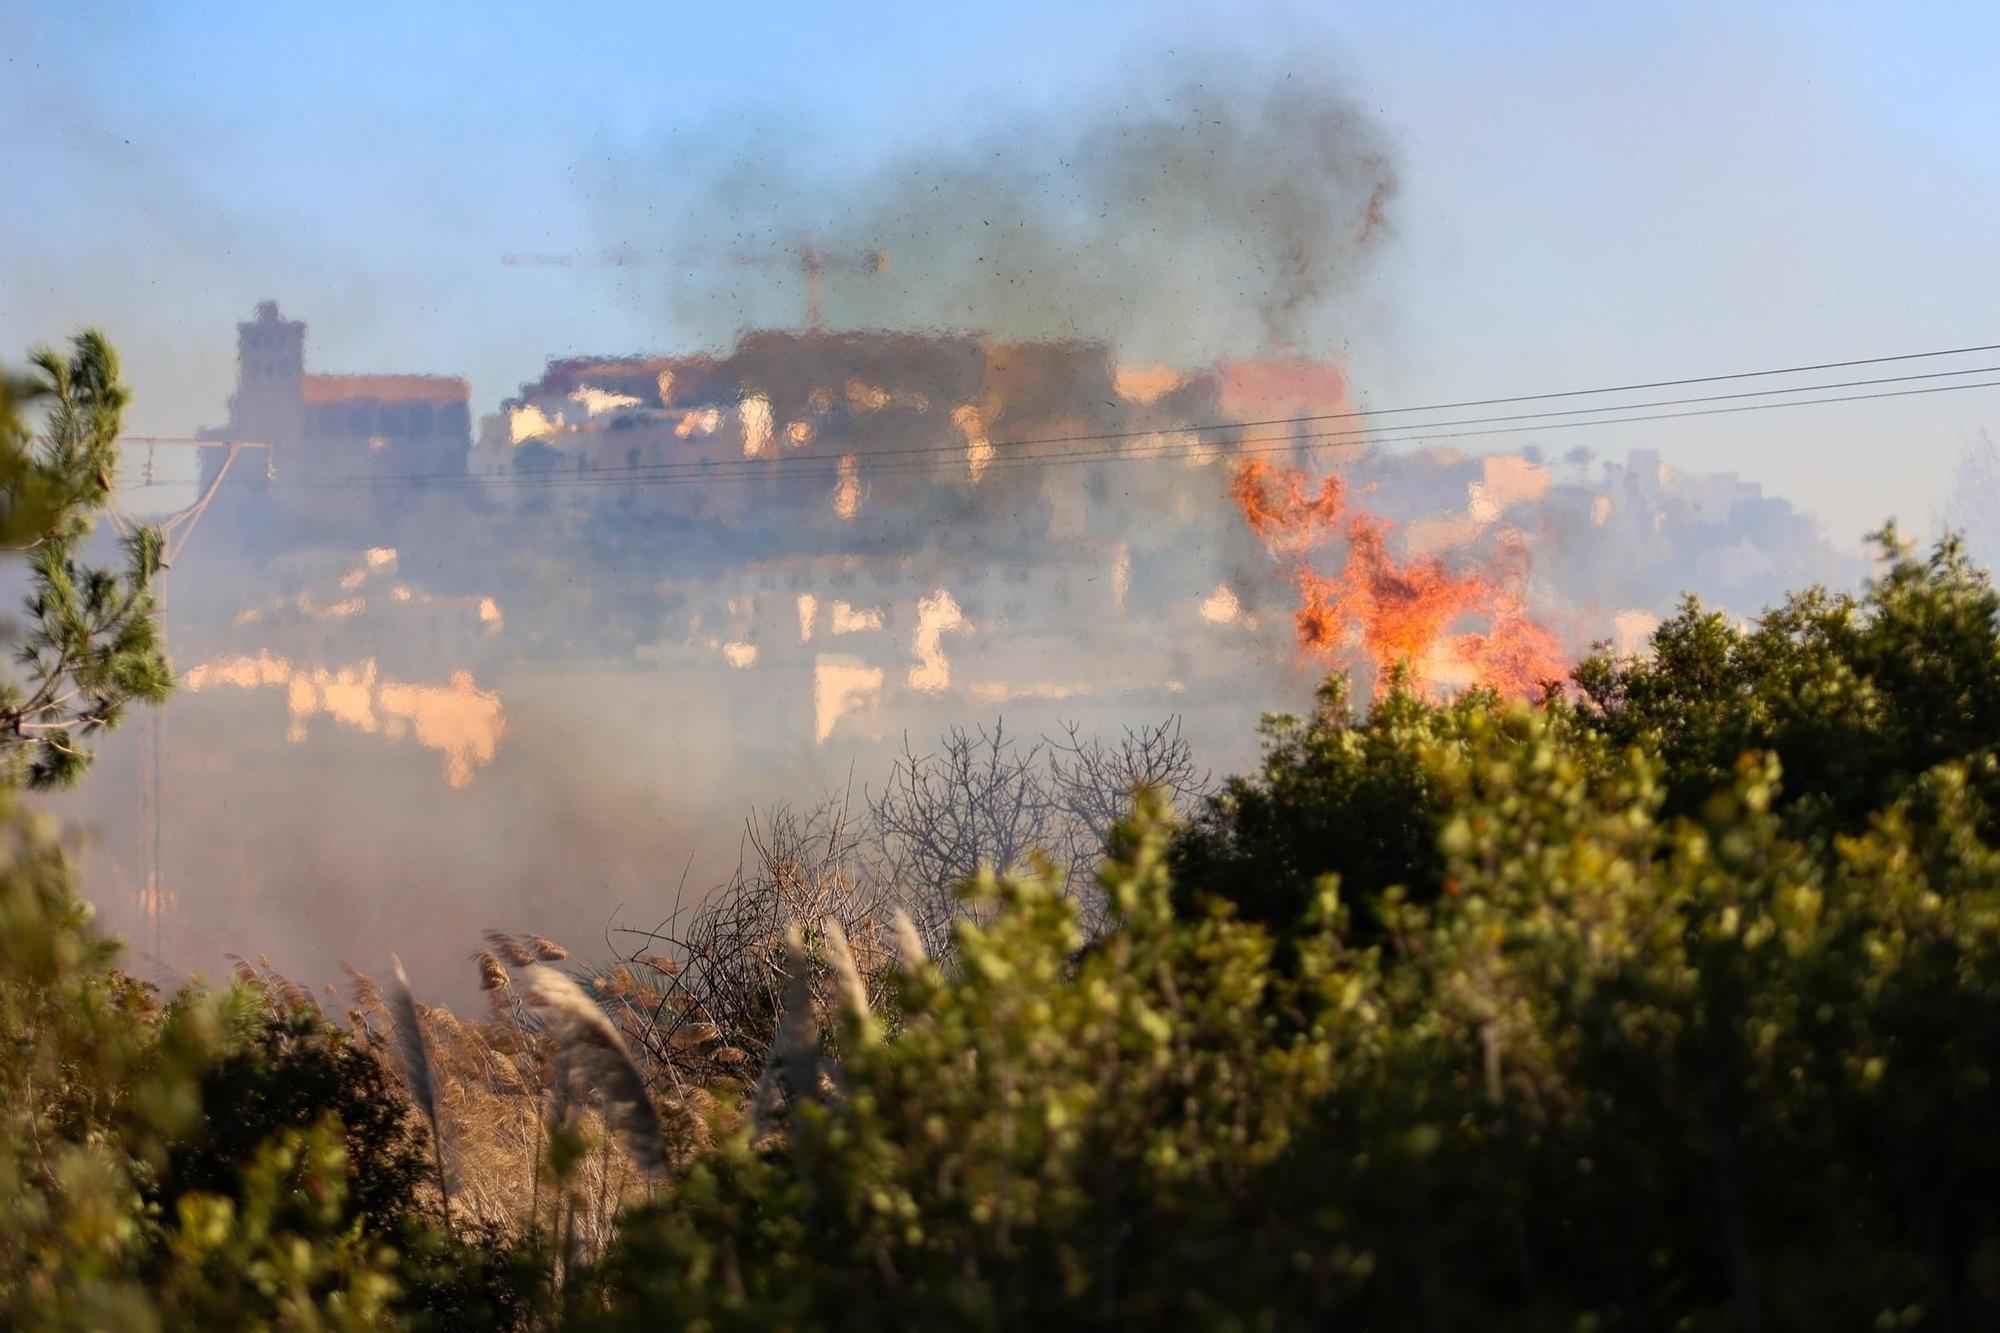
(1034, 1027)
(1377, 613)
(1059, 461)
(777, 562)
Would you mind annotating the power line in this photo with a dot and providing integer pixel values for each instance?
(758, 467)
(1693, 379)
(696, 472)
(1546, 397)
(1171, 450)
(1183, 446)
(1336, 416)
(1356, 413)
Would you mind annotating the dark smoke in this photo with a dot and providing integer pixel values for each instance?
(1189, 217)
(1185, 216)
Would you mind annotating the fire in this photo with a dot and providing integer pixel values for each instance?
(1517, 656)
(1278, 507)
(1402, 608)
(1386, 611)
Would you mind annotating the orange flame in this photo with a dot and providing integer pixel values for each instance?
(1278, 508)
(1518, 656)
(1384, 611)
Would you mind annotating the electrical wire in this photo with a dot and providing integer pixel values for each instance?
(1167, 444)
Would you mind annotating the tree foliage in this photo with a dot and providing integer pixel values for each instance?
(1585, 1014)
(100, 1088)
(1856, 696)
(92, 643)
(1671, 1001)
(219, 1161)
(222, 1160)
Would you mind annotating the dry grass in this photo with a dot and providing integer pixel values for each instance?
(494, 1088)
(706, 1022)
(700, 998)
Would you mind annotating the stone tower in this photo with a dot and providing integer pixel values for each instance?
(269, 403)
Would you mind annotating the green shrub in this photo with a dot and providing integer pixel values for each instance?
(1612, 1032)
(1674, 1003)
(216, 1162)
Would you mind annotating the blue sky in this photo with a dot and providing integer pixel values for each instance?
(1589, 193)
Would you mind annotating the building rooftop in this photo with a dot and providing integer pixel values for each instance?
(1294, 384)
(387, 388)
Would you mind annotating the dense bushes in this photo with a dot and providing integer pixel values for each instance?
(1668, 1001)
(217, 1163)
(1611, 1026)
(1855, 697)
(1582, 1013)
(220, 1161)
(1623, 1072)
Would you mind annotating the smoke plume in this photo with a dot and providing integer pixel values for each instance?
(1189, 213)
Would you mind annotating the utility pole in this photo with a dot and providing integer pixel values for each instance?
(175, 531)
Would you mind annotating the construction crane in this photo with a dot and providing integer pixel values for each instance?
(175, 531)
(812, 262)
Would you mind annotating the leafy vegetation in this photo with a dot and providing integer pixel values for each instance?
(93, 645)
(219, 1161)
(1670, 1001)
(1469, 1015)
